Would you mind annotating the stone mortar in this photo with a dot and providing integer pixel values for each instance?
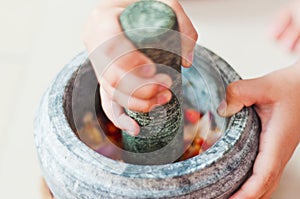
(73, 170)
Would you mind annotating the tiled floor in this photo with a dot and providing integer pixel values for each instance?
(39, 36)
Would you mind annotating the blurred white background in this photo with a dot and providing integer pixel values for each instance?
(38, 37)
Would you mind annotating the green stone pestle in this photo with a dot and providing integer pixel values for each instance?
(152, 27)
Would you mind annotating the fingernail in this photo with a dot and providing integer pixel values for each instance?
(222, 108)
(163, 97)
(131, 130)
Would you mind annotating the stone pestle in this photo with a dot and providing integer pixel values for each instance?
(152, 27)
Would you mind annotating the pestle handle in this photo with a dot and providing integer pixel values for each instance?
(147, 25)
(152, 27)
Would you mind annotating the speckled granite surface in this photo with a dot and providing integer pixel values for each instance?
(72, 170)
(153, 28)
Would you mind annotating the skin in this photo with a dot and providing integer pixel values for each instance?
(146, 89)
(286, 27)
(274, 96)
(276, 101)
(45, 191)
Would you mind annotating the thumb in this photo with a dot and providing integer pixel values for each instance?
(239, 94)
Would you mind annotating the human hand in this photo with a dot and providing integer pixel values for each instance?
(144, 87)
(286, 27)
(45, 191)
(276, 98)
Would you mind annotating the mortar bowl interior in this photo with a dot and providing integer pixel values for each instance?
(67, 162)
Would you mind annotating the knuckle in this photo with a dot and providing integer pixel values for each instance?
(111, 79)
(233, 89)
(114, 83)
(194, 35)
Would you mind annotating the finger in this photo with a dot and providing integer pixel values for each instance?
(131, 60)
(120, 61)
(265, 174)
(137, 87)
(263, 181)
(186, 28)
(268, 164)
(45, 191)
(144, 106)
(116, 114)
(241, 93)
(144, 88)
(281, 22)
(137, 104)
(290, 37)
(130, 72)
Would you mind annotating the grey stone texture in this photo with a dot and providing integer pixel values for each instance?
(152, 27)
(74, 171)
